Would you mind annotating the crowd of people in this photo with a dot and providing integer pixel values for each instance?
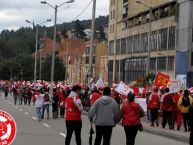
(106, 108)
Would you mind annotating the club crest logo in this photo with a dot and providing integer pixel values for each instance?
(7, 128)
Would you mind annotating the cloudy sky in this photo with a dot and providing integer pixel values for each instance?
(13, 13)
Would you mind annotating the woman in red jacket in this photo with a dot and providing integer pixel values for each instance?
(131, 113)
(73, 115)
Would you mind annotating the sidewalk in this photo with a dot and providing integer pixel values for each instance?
(179, 135)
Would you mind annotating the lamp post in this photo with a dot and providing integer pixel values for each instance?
(54, 40)
(149, 38)
(35, 63)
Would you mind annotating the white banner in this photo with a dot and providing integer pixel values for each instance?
(174, 86)
(123, 89)
(99, 84)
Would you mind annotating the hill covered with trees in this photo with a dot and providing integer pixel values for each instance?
(16, 47)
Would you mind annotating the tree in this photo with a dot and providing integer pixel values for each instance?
(59, 69)
(79, 30)
(100, 34)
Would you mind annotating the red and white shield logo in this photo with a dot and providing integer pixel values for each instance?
(7, 128)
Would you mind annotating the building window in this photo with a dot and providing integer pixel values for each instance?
(123, 45)
(170, 63)
(111, 48)
(113, 14)
(162, 39)
(136, 43)
(87, 60)
(172, 38)
(161, 63)
(134, 69)
(144, 42)
(152, 63)
(129, 45)
(154, 40)
(87, 50)
(118, 49)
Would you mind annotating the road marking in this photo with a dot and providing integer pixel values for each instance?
(26, 113)
(16, 107)
(34, 118)
(46, 125)
(63, 135)
(10, 103)
(20, 109)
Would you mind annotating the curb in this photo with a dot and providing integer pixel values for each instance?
(171, 134)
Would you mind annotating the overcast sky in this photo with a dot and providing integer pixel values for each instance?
(13, 13)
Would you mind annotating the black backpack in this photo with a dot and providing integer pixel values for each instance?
(185, 101)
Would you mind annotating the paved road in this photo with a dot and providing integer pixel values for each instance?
(52, 132)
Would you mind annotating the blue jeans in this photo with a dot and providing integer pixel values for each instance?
(45, 106)
(38, 111)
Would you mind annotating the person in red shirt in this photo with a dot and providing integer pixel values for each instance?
(94, 96)
(177, 114)
(62, 102)
(73, 115)
(131, 113)
(167, 106)
(154, 105)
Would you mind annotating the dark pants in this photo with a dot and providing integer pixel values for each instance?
(167, 117)
(75, 126)
(131, 132)
(191, 138)
(154, 115)
(45, 106)
(186, 120)
(103, 132)
(62, 112)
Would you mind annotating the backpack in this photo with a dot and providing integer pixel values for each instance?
(185, 101)
(47, 97)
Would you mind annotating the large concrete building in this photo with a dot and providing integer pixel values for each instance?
(169, 49)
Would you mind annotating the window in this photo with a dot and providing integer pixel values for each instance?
(111, 48)
(161, 63)
(87, 50)
(144, 42)
(87, 60)
(170, 63)
(172, 38)
(118, 49)
(136, 43)
(129, 44)
(162, 39)
(152, 63)
(154, 40)
(123, 45)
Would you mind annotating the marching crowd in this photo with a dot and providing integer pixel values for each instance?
(106, 108)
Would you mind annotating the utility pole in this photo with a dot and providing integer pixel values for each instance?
(90, 69)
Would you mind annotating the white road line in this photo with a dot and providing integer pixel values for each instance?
(63, 135)
(10, 103)
(16, 107)
(26, 113)
(21, 109)
(46, 125)
(34, 118)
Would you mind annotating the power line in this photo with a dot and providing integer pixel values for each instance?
(82, 11)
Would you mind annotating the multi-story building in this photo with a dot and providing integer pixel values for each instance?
(99, 55)
(130, 47)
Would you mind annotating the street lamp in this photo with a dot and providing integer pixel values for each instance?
(149, 39)
(35, 64)
(54, 41)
